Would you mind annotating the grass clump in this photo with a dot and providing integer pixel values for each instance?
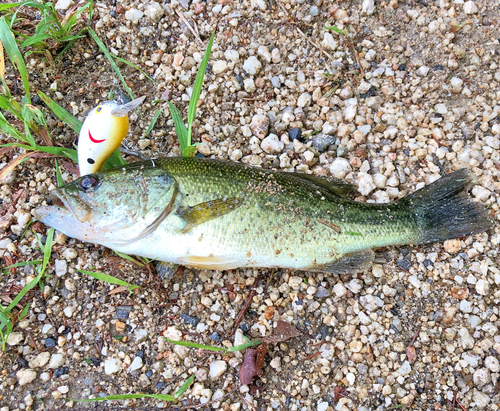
(184, 133)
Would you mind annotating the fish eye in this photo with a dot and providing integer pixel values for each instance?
(98, 109)
(88, 183)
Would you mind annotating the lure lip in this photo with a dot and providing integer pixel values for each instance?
(124, 109)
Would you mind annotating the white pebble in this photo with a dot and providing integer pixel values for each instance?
(40, 360)
(252, 65)
(134, 15)
(304, 100)
(68, 312)
(56, 361)
(219, 66)
(466, 339)
(339, 290)
(365, 183)
(61, 267)
(249, 85)
(25, 376)
(154, 11)
(272, 145)
(456, 84)
(136, 364)
(481, 400)
(368, 6)
(15, 338)
(482, 287)
(112, 366)
(482, 377)
(263, 52)
(329, 42)
(405, 368)
(370, 302)
(470, 7)
(217, 368)
(340, 167)
(481, 193)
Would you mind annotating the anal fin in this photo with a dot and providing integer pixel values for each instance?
(350, 264)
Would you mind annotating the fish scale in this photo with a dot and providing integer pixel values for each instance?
(222, 215)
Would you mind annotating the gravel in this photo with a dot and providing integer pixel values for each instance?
(419, 96)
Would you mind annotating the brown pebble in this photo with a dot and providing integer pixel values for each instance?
(452, 246)
(449, 314)
(120, 326)
(459, 293)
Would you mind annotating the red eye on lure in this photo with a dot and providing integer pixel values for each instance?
(102, 132)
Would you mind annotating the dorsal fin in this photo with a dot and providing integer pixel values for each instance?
(335, 186)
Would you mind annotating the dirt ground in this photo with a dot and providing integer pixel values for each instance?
(409, 92)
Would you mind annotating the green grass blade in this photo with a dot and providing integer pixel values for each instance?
(114, 160)
(108, 279)
(23, 292)
(4, 7)
(134, 66)
(195, 345)
(58, 151)
(129, 258)
(103, 48)
(11, 131)
(9, 42)
(35, 39)
(60, 181)
(153, 122)
(70, 120)
(163, 397)
(25, 310)
(47, 249)
(180, 127)
(244, 346)
(198, 83)
(22, 264)
(27, 133)
(182, 389)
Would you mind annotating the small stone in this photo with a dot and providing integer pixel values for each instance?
(219, 66)
(323, 406)
(272, 145)
(25, 376)
(482, 287)
(423, 71)
(449, 314)
(492, 364)
(322, 292)
(252, 65)
(56, 361)
(49, 343)
(217, 368)
(481, 377)
(190, 320)
(365, 183)
(136, 364)
(452, 246)
(276, 82)
(465, 338)
(259, 125)
(368, 7)
(122, 311)
(481, 193)
(61, 267)
(329, 42)
(112, 366)
(15, 338)
(64, 4)
(134, 15)
(322, 141)
(63, 389)
(339, 290)
(314, 11)
(68, 311)
(40, 360)
(172, 333)
(295, 134)
(70, 254)
(249, 85)
(481, 400)
(470, 7)
(120, 327)
(304, 100)
(371, 302)
(405, 368)
(154, 11)
(340, 167)
(263, 52)
(456, 84)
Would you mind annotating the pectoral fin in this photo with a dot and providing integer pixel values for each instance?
(203, 212)
(350, 263)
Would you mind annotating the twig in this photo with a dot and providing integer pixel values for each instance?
(315, 44)
(195, 34)
(247, 303)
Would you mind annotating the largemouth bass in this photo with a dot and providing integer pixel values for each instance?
(211, 214)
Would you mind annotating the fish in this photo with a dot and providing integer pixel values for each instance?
(221, 215)
(102, 132)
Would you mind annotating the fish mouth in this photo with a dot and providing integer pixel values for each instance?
(58, 202)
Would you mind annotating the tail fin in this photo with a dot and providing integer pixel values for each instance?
(443, 210)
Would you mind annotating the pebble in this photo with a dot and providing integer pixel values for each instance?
(405, 368)
(322, 141)
(252, 65)
(25, 376)
(340, 167)
(339, 290)
(365, 183)
(154, 11)
(68, 311)
(272, 145)
(481, 400)
(122, 311)
(15, 338)
(481, 377)
(304, 100)
(371, 302)
(452, 246)
(482, 287)
(61, 267)
(323, 406)
(40, 360)
(465, 338)
(492, 364)
(64, 4)
(456, 84)
(368, 7)
(134, 15)
(481, 193)
(249, 85)
(112, 366)
(259, 125)
(217, 368)
(56, 361)
(136, 364)
(219, 66)
(276, 82)
(329, 43)
(470, 7)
